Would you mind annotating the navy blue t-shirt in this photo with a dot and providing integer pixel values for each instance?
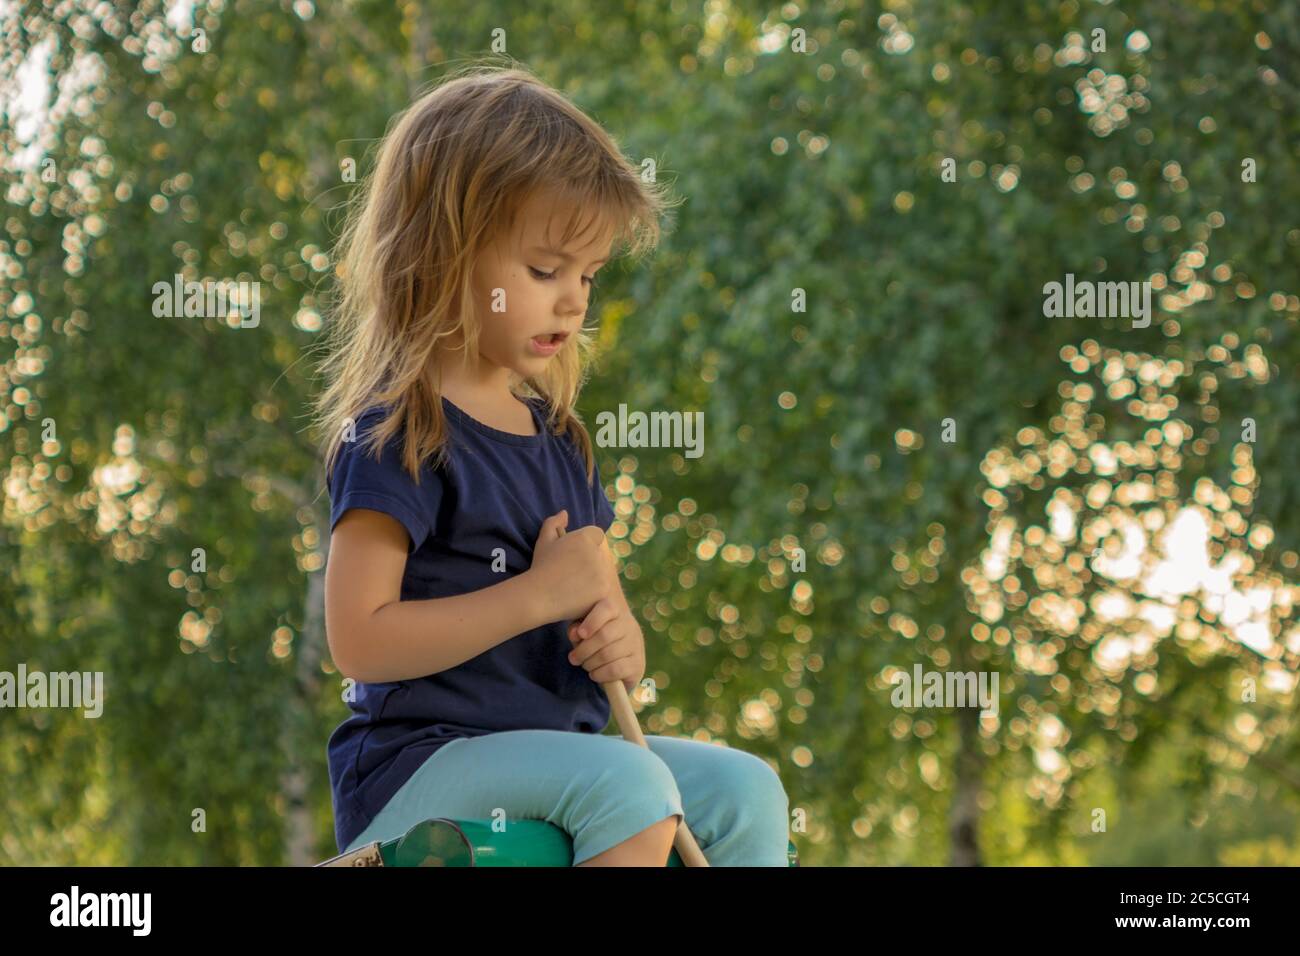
(494, 492)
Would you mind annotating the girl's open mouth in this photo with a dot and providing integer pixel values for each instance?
(549, 343)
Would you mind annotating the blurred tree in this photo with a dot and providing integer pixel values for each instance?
(817, 173)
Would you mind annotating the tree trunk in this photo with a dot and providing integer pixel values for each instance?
(963, 820)
(968, 766)
(418, 55)
(299, 725)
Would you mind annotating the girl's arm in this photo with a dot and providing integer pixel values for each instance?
(374, 636)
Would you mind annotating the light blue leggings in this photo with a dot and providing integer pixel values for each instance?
(601, 790)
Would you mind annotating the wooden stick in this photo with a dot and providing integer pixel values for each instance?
(630, 728)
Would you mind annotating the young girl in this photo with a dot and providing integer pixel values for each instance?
(477, 630)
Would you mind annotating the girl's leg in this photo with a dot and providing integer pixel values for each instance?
(736, 807)
(650, 847)
(599, 789)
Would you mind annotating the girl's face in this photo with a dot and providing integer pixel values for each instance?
(532, 296)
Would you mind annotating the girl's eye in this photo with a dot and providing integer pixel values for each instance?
(538, 274)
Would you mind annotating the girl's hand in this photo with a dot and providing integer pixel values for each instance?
(572, 570)
(609, 644)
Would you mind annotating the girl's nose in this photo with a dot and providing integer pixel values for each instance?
(574, 300)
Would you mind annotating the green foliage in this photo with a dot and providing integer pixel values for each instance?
(818, 171)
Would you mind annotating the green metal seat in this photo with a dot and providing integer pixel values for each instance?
(444, 842)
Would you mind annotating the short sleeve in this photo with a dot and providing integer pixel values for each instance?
(604, 513)
(360, 481)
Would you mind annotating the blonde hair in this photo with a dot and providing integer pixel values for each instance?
(452, 173)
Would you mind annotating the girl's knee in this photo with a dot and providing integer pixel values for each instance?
(638, 771)
(629, 790)
(621, 774)
(757, 788)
